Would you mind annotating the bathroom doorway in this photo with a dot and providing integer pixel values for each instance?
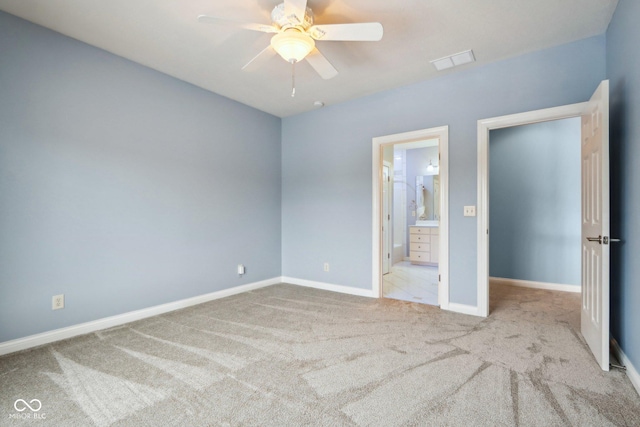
(413, 271)
(411, 235)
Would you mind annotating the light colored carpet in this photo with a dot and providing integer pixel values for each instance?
(290, 356)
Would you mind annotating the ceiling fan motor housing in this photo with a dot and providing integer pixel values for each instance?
(278, 17)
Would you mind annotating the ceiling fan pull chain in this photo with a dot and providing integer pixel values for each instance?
(293, 78)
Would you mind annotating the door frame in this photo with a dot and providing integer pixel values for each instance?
(484, 127)
(378, 143)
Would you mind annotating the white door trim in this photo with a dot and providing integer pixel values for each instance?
(484, 126)
(442, 133)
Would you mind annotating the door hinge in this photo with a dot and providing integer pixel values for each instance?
(388, 217)
(388, 256)
(439, 278)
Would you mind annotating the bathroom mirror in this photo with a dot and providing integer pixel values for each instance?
(428, 197)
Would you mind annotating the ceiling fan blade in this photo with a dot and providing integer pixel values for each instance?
(265, 28)
(321, 64)
(297, 8)
(264, 54)
(363, 32)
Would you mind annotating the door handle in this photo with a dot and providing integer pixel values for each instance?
(595, 239)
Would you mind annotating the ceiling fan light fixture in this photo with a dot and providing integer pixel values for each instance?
(292, 45)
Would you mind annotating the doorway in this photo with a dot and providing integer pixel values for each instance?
(484, 128)
(534, 181)
(594, 240)
(383, 218)
(414, 225)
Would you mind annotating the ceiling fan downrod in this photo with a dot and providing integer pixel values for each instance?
(293, 78)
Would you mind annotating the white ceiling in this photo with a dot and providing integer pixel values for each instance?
(165, 35)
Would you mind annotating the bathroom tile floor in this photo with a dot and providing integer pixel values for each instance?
(409, 282)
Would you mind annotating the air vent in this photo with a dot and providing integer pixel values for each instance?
(454, 60)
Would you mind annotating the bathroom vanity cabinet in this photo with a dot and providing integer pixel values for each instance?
(424, 244)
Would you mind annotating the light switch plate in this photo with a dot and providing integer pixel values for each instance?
(469, 211)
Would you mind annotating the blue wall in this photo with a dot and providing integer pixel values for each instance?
(534, 194)
(121, 187)
(623, 69)
(327, 155)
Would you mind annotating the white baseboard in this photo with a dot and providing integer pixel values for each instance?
(631, 371)
(463, 309)
(329, 287)
(120, 319)
(535, 285)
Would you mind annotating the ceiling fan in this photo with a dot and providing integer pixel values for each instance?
(295, 35)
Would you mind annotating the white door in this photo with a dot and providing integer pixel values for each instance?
(386, 219)
(595, 225)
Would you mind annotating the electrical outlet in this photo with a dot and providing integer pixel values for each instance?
(326, 266)
(57, 302)
(469, 211)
